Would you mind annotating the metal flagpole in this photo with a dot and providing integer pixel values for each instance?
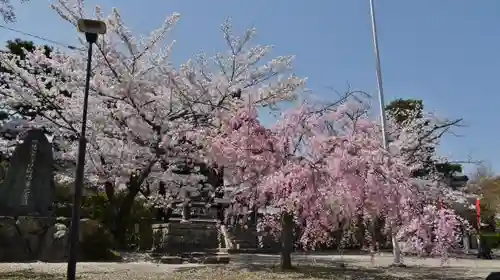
(380, 88)
(395, 245)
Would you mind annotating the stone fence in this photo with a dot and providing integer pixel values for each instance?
(30, 238)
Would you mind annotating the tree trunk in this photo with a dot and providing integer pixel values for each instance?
(123, 212)
(286, 241)
(125, 206)
(360, 233)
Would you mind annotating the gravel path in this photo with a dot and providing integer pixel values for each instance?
(111, 271)
(131, 271)
(97, 268)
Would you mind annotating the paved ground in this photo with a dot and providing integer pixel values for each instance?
(469, 266)
(454, 269)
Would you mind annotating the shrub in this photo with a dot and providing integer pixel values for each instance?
(491, 239)
(96, 206)
(96, 242)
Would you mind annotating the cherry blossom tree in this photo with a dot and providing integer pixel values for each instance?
(415, 135)
(320, 170)
(7, 10)
(418, 133)
(12, 117)
(144, 113)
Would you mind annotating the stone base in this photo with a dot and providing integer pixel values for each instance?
(197, 241)
(175, 238)
(171, 260)
(399, 265)
(198, 258)
(217, 259)
(30, 238)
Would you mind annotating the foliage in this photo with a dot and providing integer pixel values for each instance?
(11, 117)
(482, 171)
(63, 201)
(408, 116)
(19, 47)
(96, 242)
(486, 185)
(491, 239)
(490, 200)
(95, 206)
(401, 110)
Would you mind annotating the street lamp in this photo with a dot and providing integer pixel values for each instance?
(91, 28)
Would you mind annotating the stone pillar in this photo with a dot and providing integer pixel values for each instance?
(473, 242)
(160, 237)
(186, 211)
(225, 240)
(145, 234)
(466, 243)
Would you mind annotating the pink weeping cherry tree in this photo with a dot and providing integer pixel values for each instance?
(320, 170)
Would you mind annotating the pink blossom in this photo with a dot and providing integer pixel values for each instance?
(328, 170)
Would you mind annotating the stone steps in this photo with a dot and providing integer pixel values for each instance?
(219, 257)
(242, 243)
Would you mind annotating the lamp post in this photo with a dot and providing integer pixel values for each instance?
(383, 121)
(91, 28)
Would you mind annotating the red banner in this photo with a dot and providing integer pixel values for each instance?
(478, 212)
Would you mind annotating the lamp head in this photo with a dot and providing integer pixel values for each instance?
(91, 26)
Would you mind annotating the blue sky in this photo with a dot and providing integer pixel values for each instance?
(445, 52)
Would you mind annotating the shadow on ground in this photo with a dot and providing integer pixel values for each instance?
(267, 272)
(29, 274)
(327, 272)
(273, 260)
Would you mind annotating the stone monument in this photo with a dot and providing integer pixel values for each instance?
(28, 230)
(28, 189)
